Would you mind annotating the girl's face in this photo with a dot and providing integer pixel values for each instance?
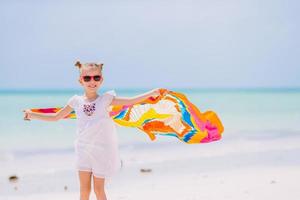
(91, 79)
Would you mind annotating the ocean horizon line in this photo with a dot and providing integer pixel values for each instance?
(207, 89)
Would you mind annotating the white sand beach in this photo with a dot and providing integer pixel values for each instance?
(250, 166)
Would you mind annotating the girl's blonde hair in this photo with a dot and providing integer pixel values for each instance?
(82, 66)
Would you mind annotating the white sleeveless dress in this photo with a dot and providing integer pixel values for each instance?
(96, 145)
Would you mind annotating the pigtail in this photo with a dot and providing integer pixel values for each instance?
(78, 64)
(100, 65)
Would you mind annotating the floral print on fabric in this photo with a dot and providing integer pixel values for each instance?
(89, 109)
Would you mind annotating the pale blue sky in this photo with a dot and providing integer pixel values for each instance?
(146, 44)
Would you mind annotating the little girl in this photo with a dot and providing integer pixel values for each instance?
(96, 145)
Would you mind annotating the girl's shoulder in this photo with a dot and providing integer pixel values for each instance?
(76, 96)
(107, 97)
(73, 101)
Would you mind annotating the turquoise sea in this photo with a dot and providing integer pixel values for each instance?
(242, 111)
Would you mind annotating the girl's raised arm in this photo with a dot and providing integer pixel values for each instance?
(135, 99)
(48, 116)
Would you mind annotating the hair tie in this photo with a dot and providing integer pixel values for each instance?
(99, 65)
(78, 64)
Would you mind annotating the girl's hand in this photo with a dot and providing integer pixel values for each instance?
(27, 113)
(157, 92)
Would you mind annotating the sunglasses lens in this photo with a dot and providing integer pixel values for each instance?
(86, 78)
(97, 78)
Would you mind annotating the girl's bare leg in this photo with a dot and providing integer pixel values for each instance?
(99, 188)
(85, 185)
